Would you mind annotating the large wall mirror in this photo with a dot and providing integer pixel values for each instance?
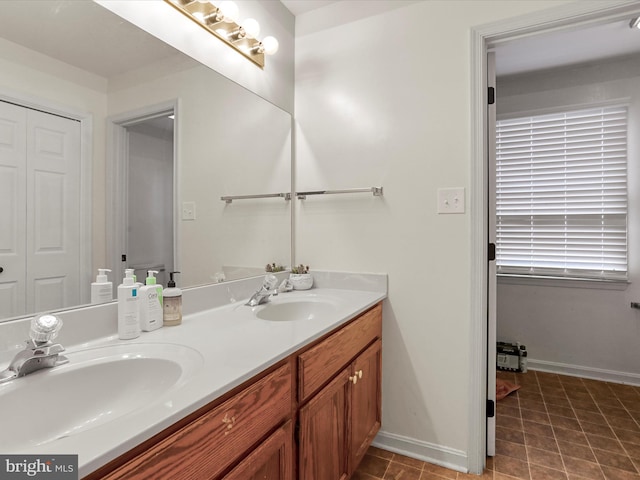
(79, 82)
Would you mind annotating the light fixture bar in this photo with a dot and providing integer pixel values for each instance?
(209, 17)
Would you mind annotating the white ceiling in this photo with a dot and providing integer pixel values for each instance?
(82, 34)
(85, 35)
(298, 7)
(567, 47)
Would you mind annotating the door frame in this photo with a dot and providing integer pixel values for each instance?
(117, 161)
(484, 37)
(86, 176)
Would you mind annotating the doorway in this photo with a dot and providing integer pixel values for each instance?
(483, 298)
(144, 196)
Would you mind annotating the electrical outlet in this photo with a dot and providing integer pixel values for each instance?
(451, 200)
(188, 210)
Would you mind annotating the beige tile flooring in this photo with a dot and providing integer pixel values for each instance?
(554, 427)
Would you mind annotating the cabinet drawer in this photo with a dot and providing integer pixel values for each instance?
(321, 362)
(218, 438)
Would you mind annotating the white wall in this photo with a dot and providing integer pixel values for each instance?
(230, 142)
(383, 99)
(588, 331)
(150, 201)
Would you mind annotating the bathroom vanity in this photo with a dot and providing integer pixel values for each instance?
(285, 390)
(320, 406)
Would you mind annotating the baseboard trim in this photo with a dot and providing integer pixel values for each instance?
(584, 372)
(425, 451)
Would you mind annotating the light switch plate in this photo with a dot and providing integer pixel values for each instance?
(451, 200)
(188, 210)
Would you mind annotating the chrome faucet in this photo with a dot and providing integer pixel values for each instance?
(268, 288)
(39, 352)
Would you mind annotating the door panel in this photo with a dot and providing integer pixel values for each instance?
(366, 411)
(272, 460)
(323, 430)
(491, 281)
(53, 212)
(13, 198)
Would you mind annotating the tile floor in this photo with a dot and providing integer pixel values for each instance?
(554, 427)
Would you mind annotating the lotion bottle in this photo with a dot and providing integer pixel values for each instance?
(151, 304)
(102, 288)
(128, 323)
(171, 303)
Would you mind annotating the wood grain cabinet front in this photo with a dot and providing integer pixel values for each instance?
(272, 460)
(249, 434)
(208, 446)
(338, 423)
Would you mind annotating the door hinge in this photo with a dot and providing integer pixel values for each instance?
(491, 408)
(491, 96)
(491, 254)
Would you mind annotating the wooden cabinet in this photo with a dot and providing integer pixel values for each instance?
(249, 434)
(272, 460)
(366, 401)
(323, 432)
(204, 448)
(338, 423)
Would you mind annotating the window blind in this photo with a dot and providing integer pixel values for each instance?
(561, 193)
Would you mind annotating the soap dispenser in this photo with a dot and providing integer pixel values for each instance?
(128, 323)
(102, 288)
(172, 303)
(130, 272)
(151, 304)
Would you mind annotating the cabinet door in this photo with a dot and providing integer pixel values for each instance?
(366, 401)
(323, 432)
(272, 460)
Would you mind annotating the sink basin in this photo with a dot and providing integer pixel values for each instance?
(297, 309)
(97, 386)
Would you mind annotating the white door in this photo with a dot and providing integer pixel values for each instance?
(40, 227)
(53, 212)
(13, 183)
(491, 281)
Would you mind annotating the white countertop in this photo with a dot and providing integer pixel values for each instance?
(234, 346)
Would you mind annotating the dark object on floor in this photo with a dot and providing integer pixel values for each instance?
(511, 357)
(504, 388)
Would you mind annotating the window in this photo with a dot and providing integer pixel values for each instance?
(561, 194)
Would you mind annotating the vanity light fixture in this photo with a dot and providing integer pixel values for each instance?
(635, 23)
(221, 20)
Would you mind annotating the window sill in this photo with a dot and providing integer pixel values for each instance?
(507, 279)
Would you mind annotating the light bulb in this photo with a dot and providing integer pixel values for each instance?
(251, 27)
(199, 16)
(270, 45)
(230, 11)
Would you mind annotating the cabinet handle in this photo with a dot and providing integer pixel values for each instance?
(359, 373)
(229, 422)
(354, 379)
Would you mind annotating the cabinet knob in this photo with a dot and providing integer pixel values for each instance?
(354, 379)
(229, 422)
(1, 269)
(359, 373)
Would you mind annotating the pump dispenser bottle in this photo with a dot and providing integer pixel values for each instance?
(151, 304)
(171, 303)
(128, 323)
(102, 288)
(130, 272)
